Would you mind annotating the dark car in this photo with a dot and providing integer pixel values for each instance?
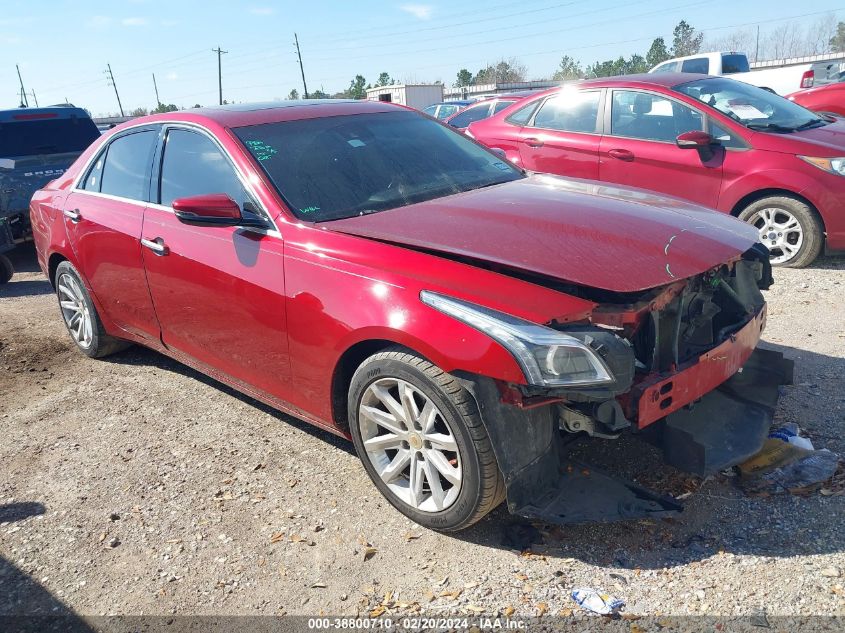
(36, 146)
(363, 267)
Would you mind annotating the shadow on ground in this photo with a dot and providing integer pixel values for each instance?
(25, 605)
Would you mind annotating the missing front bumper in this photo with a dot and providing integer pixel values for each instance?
(543, 482)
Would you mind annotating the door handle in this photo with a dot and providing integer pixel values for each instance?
(73, 215)
(157, 246)
(533, 141)
(622, 154)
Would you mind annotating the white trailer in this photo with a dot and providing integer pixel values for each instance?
(417, 96)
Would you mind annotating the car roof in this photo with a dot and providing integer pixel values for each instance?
(244, 114)
(664, 80)
(34, 114)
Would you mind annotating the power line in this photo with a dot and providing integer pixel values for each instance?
(220, 52)
(112, 83)
(301, 69)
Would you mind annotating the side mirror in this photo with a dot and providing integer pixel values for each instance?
(213, 209)
(701, 141)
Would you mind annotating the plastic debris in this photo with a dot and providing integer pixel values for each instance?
(596, 602)
(783, 466)
(791, 433)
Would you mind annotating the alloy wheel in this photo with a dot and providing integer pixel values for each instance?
(74, 310)
(410, 444)
(780, 231)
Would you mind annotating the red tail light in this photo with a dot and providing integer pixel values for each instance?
(32, 117)
(807, 79)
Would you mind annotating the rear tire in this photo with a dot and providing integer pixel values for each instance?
(789, 228)
(6, 269)
(438, 431)
(80, 316)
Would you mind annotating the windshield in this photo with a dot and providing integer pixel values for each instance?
(51, 136)
(753, 107)
(337, 167)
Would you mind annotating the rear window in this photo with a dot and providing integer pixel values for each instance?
(46, 136)
(734, 64)
(337, 167)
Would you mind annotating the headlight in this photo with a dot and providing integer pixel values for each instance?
(830, 165)
(548, 358)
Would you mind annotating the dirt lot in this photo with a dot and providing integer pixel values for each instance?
(133, 485)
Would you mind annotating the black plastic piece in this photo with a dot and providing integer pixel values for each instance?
(730, 424)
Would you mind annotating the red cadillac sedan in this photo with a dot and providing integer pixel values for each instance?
(749, 153)
(372, 271)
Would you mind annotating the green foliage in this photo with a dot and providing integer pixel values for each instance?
(319, 94)
(384, 80)
(658, 53)
(506, 71)
(139, 112)
(569, 68)
(685, 40)
(464, 78)
(357, 88)
(293, 95)
(164, 108)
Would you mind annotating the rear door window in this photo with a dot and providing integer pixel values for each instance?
(522, 115)
(570, 112)
(697, 65)
(126, 171)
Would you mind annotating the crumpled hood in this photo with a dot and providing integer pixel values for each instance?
(579, 231)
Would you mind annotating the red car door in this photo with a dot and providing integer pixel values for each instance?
(639, 148)
(218, 291)
(563, 135)
(104, 216)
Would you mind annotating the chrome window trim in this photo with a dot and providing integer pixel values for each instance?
(192, 127)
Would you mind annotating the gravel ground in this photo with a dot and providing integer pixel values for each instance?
(134, 485)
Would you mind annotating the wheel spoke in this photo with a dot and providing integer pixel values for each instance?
(396, 466)
(437, 494)
(390, 403)
(87, 332)
(428, 416)
(66, 291)
(69, 305)
(442, 442)
(415, 485)
(439, 461)
(409, 407)
(383, 419)
(383, 442)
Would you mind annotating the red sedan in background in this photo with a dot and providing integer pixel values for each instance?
(826, 99)
(365, 268)
(711, 140)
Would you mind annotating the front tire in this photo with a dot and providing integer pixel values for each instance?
(789, 228)
(80, 316)
(420, 437)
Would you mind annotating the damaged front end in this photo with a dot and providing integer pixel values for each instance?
(687, 376)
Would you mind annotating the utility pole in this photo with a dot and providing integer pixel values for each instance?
(24, 101)
(757, 48)
(155, 85)
(220, 52)
(112, 83)
(34, 98)
(301, 69)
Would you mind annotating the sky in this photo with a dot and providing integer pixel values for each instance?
(63, 46)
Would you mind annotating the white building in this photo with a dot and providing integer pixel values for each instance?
(416, 96)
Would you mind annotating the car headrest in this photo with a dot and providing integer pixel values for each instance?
(642, 104)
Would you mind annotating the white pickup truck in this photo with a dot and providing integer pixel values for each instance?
(781, 77)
